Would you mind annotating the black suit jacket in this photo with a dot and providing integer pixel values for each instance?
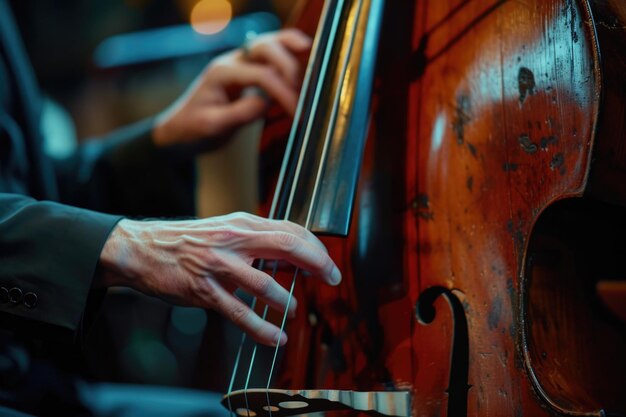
(52, 221)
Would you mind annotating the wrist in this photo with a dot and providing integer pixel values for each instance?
(118, 256)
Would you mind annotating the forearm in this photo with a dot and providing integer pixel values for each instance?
(126, 173)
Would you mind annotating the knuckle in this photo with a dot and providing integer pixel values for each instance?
(254, 224)
(295, 228)
(238, 314)
(326, 263)
(227, 236)
(233, 217)
(260, 285)
(206, 291)
(216, 264)
(286, 241)
(248, 218)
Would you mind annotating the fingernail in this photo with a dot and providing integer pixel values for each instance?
(281, 338)
(335, 276)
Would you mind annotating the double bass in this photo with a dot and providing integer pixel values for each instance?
(472, 156)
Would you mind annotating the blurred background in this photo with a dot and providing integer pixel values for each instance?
(112, 62)
(104, 64)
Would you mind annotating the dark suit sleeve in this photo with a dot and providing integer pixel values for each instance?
(52, 251)
(125, 173)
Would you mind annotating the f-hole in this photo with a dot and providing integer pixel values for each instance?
(459, 361)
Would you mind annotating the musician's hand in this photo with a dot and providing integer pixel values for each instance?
(201, 262)
(214, 104)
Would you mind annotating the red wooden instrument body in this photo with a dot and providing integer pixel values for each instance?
(497, 128)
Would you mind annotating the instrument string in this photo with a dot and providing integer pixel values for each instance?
(320, 169)
(281, 180)
(236, 365)
(254, 349)
(305, 141)
(327, 140)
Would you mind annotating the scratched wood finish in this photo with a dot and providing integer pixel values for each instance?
(578, 359)
(511, 94)
(486, 114)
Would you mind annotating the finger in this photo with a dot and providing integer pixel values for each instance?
(298, 230)
(262, 286)
(277, 55)
(264, 76)
(295, 250)
(294, 39)
(244, 110)
(242, 316)
(262, 224)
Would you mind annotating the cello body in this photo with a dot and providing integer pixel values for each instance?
(490, 203)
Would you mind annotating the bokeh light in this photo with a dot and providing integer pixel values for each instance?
(211, 16)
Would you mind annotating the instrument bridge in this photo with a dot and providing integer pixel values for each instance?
(283, 403)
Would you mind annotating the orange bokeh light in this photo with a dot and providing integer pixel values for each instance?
(211, 16)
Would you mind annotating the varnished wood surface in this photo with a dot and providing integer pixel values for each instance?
(486, 114)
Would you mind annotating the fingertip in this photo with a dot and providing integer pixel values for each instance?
(293, 307)
(268, 334)
(305, 42)
(335, 277)
(297, 39)
(303, 37)
(280, 339)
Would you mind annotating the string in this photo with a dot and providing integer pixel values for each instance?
(318, 177)
(254, 350)
(236, 366)
(282, 327)
(281, 179)
(307, 136)
(295, 126)
(315, 105)
(321, 166)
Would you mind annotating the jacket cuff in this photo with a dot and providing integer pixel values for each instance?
(52, 252)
